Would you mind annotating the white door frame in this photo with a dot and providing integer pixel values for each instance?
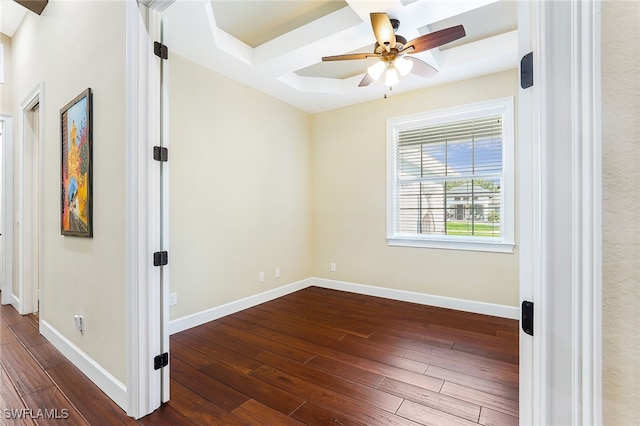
(147, 323)
(141, 323)
(6, 227)
(572, 286)
(560, 216)
(28, 219)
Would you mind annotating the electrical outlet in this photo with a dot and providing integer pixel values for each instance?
(173, 299)
(277, 272)
(79, 323)
(333, 267)
(261, 277)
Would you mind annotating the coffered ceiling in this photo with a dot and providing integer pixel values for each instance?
(277, 46)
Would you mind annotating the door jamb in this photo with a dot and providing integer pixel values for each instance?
(529, 222)
(580, 126)
(145, 329)
(7, 203)
(25, 259)
(141, 344)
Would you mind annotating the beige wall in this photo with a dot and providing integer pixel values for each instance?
(240, 183)
(5, 89)
(72, 46)
(621, 204)
(349, 202)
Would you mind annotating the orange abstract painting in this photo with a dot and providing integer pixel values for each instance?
(76, 179)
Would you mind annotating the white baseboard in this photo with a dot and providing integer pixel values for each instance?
(493, 309)
(114, 389)
(15, 301)
(193, 320)
(199, 318)
(6, 297)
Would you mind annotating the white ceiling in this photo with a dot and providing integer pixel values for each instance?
(276, 46)
(11, 15)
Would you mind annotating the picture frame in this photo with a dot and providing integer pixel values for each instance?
(76, 177)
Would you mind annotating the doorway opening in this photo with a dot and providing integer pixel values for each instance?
(30, 205)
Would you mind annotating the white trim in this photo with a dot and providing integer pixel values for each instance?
(564, 239)
(146, 332)
(533, 373)
(586, 209)
(135, 333)
(163, 129)
(15, 300)
(7, 203)
(155, 299)
(2, 63)
(141, 336)
(111, 386)
(451, 244)
(484, 308)
(205, 316)
(194, 320)
(506, 242)
(25, 249)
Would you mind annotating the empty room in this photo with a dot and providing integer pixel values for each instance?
(314, 212)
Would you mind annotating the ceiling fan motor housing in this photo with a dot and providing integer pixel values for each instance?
(400, 42)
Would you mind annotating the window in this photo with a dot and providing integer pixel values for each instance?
(450, 178)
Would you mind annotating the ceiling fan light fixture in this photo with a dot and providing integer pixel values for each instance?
(391, 78)
(390, 49)
(403, 65)
(376, 70)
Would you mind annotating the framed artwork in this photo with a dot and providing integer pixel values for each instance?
(76, 209)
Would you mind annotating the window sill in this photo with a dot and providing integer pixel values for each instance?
(488, 246)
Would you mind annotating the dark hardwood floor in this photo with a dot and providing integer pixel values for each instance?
(313, 357)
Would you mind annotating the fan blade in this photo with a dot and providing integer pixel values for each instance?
(421, 68)
(350, 56)
(435, 39)
(366, 80)
(383, 30)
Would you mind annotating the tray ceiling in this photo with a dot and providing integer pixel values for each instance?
(276, 46)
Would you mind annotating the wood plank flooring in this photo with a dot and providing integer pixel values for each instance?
(313, 357)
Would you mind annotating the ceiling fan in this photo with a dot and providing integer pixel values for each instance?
(391, 49)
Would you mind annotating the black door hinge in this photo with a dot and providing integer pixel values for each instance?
(527, 317)
(160, 153)
(526, 71)
(160, 50)
(160, 258)
(160, 361)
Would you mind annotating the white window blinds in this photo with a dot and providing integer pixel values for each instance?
(449, 179)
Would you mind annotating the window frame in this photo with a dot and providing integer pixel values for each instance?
(506, 242)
